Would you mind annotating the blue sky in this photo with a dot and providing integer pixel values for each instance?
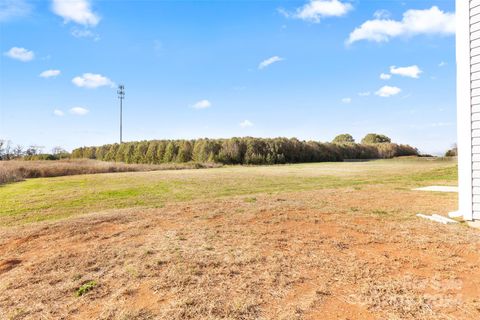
(306, 69)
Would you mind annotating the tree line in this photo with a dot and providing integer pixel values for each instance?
(8, 151)
(246, 150)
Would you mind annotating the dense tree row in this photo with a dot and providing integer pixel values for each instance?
(241, 151)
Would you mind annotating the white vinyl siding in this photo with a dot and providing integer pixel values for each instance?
(475, 102)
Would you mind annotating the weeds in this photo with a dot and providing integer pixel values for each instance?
(85, 288)
(380, 212)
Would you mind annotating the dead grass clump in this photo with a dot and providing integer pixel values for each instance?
(399, 297)
(8, 175)
(200, 305)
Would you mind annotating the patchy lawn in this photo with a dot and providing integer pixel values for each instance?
(315, 241)
(60, 197)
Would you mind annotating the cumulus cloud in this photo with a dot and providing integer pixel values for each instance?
(92, 81)
(315, 10)
(385, 76)
(415, 22)
(364, 94)
(50, 73)
(20, 54)
(246, 124)
(347, 100)
(202, 104)
(442, 64)
(388, 91)
(58, 113)
(79, 111)
(78, 11)
(382, 14)
(269, 61)
(10, 9)
(410, 72)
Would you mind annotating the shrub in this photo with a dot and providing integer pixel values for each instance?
(43, 156)
(452, 152)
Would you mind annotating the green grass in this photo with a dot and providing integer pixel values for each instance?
(85, 288)
(61, 197)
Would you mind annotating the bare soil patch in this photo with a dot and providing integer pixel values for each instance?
(325, 254)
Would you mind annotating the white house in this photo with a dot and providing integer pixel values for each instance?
(468, 107)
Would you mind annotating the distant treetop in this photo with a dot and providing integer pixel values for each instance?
(373, 138)
(344, 138)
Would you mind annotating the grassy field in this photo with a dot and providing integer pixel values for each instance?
(309, 241)
(60, 197)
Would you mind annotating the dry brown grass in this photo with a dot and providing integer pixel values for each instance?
(17, 170)
(321, 254)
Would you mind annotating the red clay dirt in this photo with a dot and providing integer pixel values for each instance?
(329, 254)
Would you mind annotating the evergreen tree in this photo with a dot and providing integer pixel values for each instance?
(129, 153)
(199, 151)
(112, 153)
(151, 156)
(140, 152)
(121, 151)
(169, 155)
(184, 152)
(161, 146)
(101, 152)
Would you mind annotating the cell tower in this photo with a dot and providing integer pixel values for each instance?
(121, 96)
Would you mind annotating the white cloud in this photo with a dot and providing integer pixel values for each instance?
(78, 11)
(50, 73)
(385, 76)
(347, 100)
(21, 54)
(269, 61)
(442, 124)
(414, 22)
(410, 72)
(364, 94)
(388, 91)
(79, 111)
(10, 9)
(315, 10)
(91, 81)
(202, 104)
(85, 33)
(442, 64)
(58, 113)
(246, 124)
(382, 14)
